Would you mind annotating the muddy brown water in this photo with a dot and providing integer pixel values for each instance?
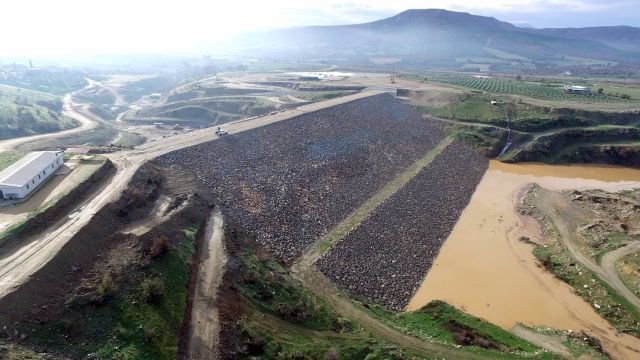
(485, 270)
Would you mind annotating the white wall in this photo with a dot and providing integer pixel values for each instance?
(9, 192)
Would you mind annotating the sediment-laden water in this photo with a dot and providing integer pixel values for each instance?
(485, 270)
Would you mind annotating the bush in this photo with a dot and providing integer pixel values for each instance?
(105, 289)
(159, 246)
(151, 290)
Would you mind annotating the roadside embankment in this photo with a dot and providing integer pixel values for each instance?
(42, 219)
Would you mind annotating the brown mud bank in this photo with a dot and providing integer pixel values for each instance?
(485, 270)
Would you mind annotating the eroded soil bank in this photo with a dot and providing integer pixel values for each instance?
(485, 270)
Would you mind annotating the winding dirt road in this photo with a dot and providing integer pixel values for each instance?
(565, 218)
(609, 260)
(18, 264)
(71, 110)
(205, 326)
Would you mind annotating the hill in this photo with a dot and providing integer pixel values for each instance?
(27, 112)
(433, 37)
(620, 37)
(53, 80)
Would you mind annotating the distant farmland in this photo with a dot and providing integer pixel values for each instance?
(532, 89)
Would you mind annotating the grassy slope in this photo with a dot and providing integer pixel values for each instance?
(26, 112)
(141, 322)
(286, 321)
(436, 320)
(614, 308)
(9, 157)
(283, 320)
(629, 271)
(558, 127)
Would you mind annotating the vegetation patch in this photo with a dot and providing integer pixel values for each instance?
(132, 313)
(9, 157)
(282, 320)
(605, 301)
(543, 90)
(629, 271)
(127, 139)
(441, 322)
(555, 257)
(56, 81)
(488, 140)
(27, 112)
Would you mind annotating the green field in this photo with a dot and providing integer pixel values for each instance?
(9, 157)
(533, 89)
(27, 112)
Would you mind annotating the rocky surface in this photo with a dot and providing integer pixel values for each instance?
(290, 182)
(386, 258)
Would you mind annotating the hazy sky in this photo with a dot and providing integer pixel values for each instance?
(47, 27)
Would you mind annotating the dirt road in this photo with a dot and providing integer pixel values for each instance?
(551, 343)
(565, 216)
(118, 99)
(205, 327)
(320, 285)
(17, 265)
(609, 260)
(69, 109)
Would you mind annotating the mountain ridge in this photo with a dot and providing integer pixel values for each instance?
(419, 37)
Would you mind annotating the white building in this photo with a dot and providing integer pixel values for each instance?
(21, 178)
(574, 89)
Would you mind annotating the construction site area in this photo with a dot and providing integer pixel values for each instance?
(305, 216)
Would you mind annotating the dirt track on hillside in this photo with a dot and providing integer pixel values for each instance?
(566, 216)
(19, 264)
(71, 110)
(205, 326)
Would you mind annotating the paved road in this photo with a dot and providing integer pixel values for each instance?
(204, 329)
(17, 265)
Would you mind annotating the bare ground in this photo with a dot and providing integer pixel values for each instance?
(551, 343)
(205, 325)
(21, 263)
(566, 217)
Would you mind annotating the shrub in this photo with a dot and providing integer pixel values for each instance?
(151, 290)
(159, 246)
(105, 289)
